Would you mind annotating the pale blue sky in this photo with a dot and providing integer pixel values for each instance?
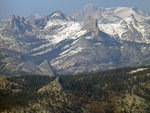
(45, 7)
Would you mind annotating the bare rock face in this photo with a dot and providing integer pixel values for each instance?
(92, 28)
(46, 68)
(53, 86)
(91, 25)
(88, 10)
(18, 24)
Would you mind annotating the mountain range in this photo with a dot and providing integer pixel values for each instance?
(90, 40)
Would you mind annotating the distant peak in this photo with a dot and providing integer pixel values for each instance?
(139, 11)
(57, 15)
(92, 28)
(90, 6)
(131, 20)
(13, 17)
(17, 23)
(58, 11)
(132, 16)
(13, 22)
(91, 24)
(34, 16)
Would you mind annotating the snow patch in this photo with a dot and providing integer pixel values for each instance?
(138, 70)
(41, 47)
(71, 52)
(75, 42)
(67, 46)
(88, 38)
(43, 52)
(72, 30)
(54, 23)
(55, 14)
(97, 44)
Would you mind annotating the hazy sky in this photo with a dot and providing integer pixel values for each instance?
(44, 7)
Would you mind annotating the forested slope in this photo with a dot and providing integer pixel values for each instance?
(123, 90)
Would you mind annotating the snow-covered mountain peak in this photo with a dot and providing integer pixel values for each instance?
(128, 29)
(130, 20)
(57, 18)
(58, 15)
